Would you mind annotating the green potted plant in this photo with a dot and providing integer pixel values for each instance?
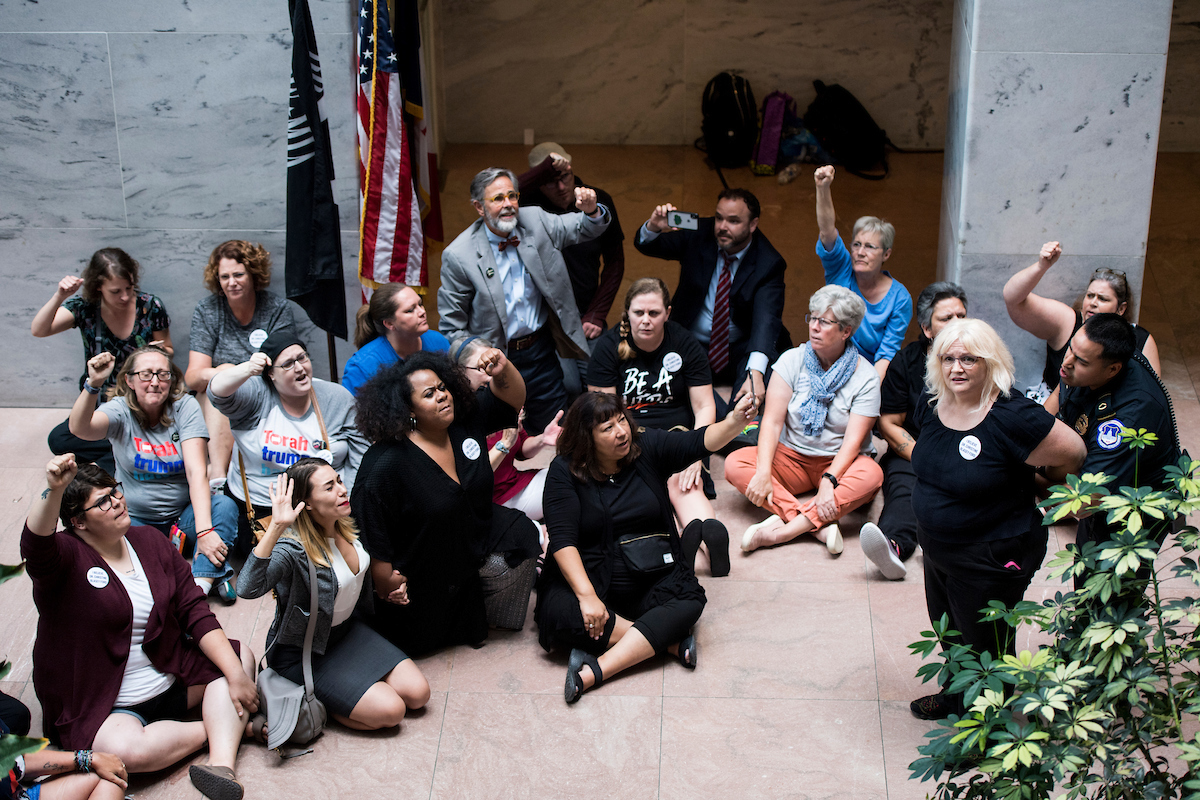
(1109, 708)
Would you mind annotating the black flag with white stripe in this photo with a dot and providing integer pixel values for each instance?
(314, 241)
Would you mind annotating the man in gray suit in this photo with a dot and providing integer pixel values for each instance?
(504, 279)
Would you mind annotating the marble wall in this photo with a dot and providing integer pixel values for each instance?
(633, 71)
(1053, 135)
(160, 128)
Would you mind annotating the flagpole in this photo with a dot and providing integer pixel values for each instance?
(333, 370)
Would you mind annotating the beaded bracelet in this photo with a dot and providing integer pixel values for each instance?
(83, 760)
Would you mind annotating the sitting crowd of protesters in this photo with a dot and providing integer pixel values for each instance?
(415, 496)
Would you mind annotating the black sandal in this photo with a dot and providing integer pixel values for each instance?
(573, 689)
(716, 539)
(687, 653)
(689, 542)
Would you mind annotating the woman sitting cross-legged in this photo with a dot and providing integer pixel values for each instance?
(618, 589)
(160, 443)
(816, 431)
(364, 680)
(126, 644)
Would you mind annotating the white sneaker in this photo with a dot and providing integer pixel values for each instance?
(748, 537)
(833, 538)
(877, 548)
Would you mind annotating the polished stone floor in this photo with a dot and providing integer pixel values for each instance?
(805, 674)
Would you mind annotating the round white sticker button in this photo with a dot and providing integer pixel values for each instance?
(672, 361)
(471, 449)
(97, 577)
(969, 448)
(257, 337)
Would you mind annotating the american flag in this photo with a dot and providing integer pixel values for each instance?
(391, 239)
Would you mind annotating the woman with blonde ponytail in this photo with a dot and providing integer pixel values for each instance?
(389, 329)
(661, 372)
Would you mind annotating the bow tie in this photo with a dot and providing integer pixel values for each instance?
(512, 240)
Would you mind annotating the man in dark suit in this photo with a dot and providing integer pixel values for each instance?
(729, 273)
(503, 278)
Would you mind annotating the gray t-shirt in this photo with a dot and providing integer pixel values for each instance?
(150, 463)
(860, 395)
(270, 440)
(217, 333)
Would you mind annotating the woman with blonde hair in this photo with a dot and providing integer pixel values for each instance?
(160, 444)
(388, 330)
(662, 374)
(974, 499)
(228, 326)
(365, 681)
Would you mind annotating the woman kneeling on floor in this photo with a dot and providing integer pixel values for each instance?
(816, 431)
(618, 590)
(126, 643)
(364, 680)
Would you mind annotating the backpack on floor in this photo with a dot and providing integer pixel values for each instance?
(730, 121)
(776, 110)
(847, 132)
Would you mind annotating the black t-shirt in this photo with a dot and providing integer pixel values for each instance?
(904, 384)
(1133, 399)
(654, 385)
(632, 503)
(974, 486)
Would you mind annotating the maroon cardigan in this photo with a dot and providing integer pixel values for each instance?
(83, 629)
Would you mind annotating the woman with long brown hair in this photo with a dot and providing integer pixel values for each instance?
(387, 330)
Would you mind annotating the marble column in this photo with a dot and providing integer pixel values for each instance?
(1052, 134)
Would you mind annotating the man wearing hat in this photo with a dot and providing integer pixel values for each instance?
(503, 278)
(596, 266)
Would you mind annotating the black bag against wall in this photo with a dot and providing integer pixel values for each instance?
(846, 130)
(730, 121)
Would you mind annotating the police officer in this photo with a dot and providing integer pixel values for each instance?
(1106, 386)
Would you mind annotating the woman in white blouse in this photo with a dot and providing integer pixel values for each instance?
(364, 680)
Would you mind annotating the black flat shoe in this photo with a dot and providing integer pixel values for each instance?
(690, 540)
(933, 706)
(716, 539)
(687, 653)
(573, 688)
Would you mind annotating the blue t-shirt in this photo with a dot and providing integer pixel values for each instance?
(378, 353)
(882, 330)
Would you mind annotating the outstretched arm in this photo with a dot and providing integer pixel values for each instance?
(1048, 320)
(826, 219)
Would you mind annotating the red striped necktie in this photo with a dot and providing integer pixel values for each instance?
(718, 343)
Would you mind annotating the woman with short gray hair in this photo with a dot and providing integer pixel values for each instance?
(822, 400)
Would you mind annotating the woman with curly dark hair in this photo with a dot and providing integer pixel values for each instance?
(618, 590)
(447, 560)
(229, 326)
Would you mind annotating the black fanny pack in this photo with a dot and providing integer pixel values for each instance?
(647, 552)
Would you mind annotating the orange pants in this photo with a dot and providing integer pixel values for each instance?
(793, 474)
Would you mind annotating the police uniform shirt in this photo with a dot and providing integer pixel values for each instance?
(1133, 399)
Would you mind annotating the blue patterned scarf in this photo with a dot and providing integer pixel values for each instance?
(823, 385)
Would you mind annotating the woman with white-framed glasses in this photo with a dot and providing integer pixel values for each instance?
(279, 413)
(821, 402)
(160, 444)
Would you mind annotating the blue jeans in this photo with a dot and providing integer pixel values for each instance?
(225, 520)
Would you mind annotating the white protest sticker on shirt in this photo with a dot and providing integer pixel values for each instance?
(969, 448)
(672, 361)
(1108, 435)
(97, 577)
(471, 449)
(257, 337)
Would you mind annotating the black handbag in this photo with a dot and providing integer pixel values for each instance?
(647, 553)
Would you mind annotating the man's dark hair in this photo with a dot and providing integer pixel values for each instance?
(746, 197)
(933, 294)
(1114, 335)
(383, 407)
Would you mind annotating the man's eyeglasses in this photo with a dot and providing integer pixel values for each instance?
(106, 502)
(500, 198)
(821, 321)
(147, 375)
(301, 359)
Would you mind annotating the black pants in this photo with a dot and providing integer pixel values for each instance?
(545, 390)
(100, 453)
(962, 578)
(663, 623)
(14, 716)
(897, 520)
